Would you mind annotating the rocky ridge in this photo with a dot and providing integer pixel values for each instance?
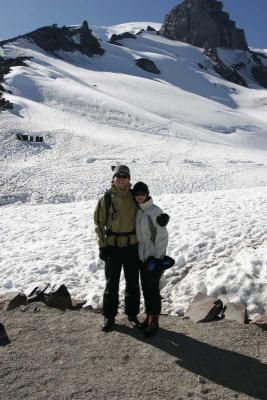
(51, 39)
(70, 39)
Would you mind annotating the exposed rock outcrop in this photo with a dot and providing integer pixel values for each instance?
(203, 23)
(228, 72)
(126, 35)
(71, 39)
(259, 72)
(147, 65)
(150, 28)
(5, 67)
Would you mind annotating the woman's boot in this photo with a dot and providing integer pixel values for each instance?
(152, 326)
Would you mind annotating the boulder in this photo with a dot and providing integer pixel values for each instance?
(203, 23)
(37, 294)
(11, 300)
(261, 321)
(204, 308)
(235, 312)
(77, 304)
(147, 65)
(58, 297)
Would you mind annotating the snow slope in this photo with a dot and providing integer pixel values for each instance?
(185, 130)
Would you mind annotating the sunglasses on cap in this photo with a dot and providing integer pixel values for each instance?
(122, 176)
(140, 194)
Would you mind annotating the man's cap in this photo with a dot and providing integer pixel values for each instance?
(121, 169)
(140, 187)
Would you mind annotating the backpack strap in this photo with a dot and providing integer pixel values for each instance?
(108, 204)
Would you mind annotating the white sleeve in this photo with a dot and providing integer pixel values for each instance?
(161, 237)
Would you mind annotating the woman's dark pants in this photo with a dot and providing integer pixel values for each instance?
(126, 258)
(150, 285)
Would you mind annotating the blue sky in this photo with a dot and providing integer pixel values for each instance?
(21, 16)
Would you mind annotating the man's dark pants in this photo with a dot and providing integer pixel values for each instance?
(126, 258)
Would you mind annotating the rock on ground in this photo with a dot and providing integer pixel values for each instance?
(64, 356)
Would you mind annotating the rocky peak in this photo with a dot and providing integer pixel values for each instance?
(203, 23)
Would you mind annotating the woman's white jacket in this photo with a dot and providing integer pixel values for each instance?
(152, 238)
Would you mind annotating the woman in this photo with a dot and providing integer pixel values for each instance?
(152, 245)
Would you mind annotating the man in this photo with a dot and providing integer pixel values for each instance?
(115, 228)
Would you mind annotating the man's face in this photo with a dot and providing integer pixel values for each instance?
(121, 180)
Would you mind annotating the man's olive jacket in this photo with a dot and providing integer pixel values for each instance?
(118, 218)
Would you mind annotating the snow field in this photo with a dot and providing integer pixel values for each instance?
(218, 239)
(197, 140)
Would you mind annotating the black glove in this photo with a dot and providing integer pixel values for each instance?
(104, 253)
(163, 219)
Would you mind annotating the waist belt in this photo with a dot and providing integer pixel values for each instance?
(120, 234)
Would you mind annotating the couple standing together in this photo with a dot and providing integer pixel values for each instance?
(131, 234)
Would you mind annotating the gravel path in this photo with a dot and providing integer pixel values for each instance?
(64, 356)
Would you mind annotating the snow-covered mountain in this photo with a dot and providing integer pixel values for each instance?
(198, 140)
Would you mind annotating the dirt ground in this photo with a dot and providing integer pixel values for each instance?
(64, 356)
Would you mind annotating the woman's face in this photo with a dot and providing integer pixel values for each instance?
(140, 197)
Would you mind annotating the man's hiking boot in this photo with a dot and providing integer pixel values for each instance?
(134, 322)
(107, 324)
(152, 326)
